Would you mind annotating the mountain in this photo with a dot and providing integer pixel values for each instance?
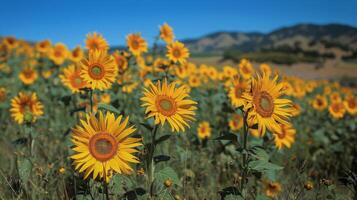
(302, 36)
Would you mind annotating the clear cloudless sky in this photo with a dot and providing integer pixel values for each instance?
(69, 21)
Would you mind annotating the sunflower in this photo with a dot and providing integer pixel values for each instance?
(28, 75)
(267, 109)
(43, 46)
(165, 102)
(265, 68)
(76, 54)
(10, 42)
(105, 98)
(246, 69)
(177, 52)
(284, 136)
(99, 70)
(58, 54)
(351, 104)
(95, 41)
(137, 45)
(229, 72)
(296, 109)
(102, 145)
(335, 97)
(121, 61)
(72, 79)
(26, 107)
(3, 94)
(166, 33)
(46, 74)
(272, 189)
(236, 91)
(194, 81)
(236, 122)
(204, 130)
(319, 103)
(337, 109)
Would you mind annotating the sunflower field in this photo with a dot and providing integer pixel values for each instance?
(147, 123)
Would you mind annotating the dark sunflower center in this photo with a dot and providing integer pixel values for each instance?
(58, 53)
(264, 104)
(96, 71)
(238, 91)
(135, 44)
(352, 103)
(166, 104)
(103, 146)
(176, 53)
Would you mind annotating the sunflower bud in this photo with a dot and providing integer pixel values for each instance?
(28, 117)
(308, 186)
(168, 183)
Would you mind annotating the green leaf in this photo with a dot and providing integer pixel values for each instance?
(163, 138)
(262, 165)
(228, 136)
(260, 154)
(25, 168)
(262, 197)
(119, 182)
(108, 108)
(165, 174)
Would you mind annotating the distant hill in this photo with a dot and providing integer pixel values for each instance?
(303, 36)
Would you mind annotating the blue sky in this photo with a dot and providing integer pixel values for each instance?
(69, 21)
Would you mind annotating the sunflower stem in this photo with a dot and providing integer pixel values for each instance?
(105, 185)
(151, 164)
(245, 156)
(91, 99)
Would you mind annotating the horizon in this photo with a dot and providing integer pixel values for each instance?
(70, 22)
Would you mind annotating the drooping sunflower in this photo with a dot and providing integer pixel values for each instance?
(319, 102)
(26, 107)
(28, 75)
(99, 70)
(72, 79)
(59, 53)
(137, 45)
(236, 90)
(121, 61)
(266, 108)
(3, 94)
(296, 110)
(166, 33)
(246, 69)
(337, 109)
(76, 54)
(284, 136)
(102, 146)
(43, 46)
(165, 102)
(177, 52)
(96, 41)
(236, 122)
(204, 130)
(272, 189)
(351, 104)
